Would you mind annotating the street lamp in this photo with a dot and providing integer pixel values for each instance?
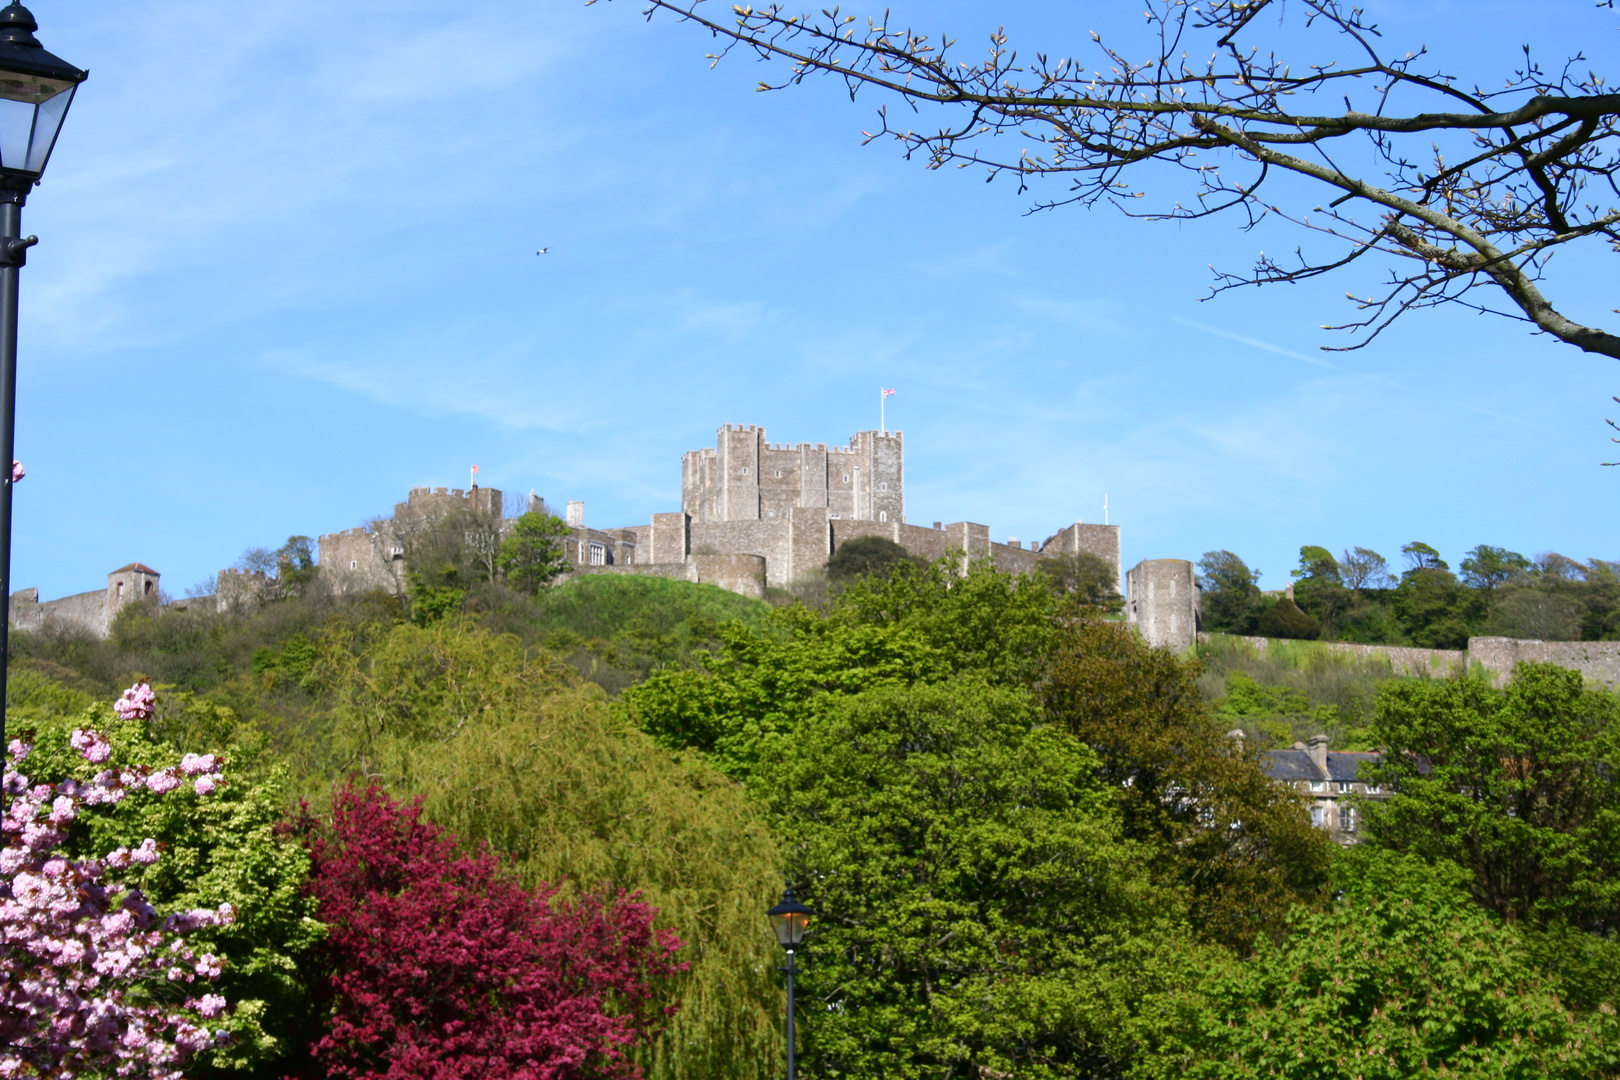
(36, 89)
(789, 919)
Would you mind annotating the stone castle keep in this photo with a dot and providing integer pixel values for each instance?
(756, 514)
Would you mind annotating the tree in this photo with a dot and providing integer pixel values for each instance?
(1231, 593)
(295, 564)
(867, 556)
(1238, 845)
(531, 557)
(1432, 607)
(1285, 619)
(1518, 786)
(1420, 556)
(1536, 615)
(1088, 578)
(1362, 568)
(1488, 567)
(222, 847)
(96, 981)
(1317, 562)
(1466, 192)
(508, 748)
(1401, 976)
(439, 964)
(980, 913)
(917, 625)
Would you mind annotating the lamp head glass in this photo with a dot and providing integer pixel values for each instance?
(789, 920)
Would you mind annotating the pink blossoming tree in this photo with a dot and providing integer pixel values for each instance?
(95, 982)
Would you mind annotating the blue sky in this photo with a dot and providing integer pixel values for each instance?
(287, 272)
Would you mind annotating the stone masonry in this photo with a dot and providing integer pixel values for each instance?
(793, 507)
(93, 611)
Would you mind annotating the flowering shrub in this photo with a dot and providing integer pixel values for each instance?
(440, 964)
(95, 981)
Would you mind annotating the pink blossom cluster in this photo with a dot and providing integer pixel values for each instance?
(136, 704)
(17, 471)
(95, 981)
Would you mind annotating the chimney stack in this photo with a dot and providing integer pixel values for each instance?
(1319, 752)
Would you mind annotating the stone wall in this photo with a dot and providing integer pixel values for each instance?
(90, 611)
(1598, 661)
(1402, 659)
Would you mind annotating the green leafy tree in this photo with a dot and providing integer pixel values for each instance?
(1231, 593)
(1286, 619)
(979, 911)
(1433, 608)
(1519, 786)
(1088, 578)
(1316, 562)
(1401, 976)
(917, 625)
(432, 603)
(1488, 567)
(295, 565)
(531, 556)
(1537, 614)
(1420, 556)
(867, 556)
(1363, 568)
(1240, 846)
(508, 747)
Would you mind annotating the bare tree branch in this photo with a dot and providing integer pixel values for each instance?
(1520, 192)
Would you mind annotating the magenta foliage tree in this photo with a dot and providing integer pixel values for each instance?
(443, 966)
(92, 981)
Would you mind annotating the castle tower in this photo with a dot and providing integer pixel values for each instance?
(748, 478)
(128, 584)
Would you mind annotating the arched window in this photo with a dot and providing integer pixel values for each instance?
(883, 515)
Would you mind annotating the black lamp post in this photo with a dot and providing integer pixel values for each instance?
(789, 919)
(36, 89)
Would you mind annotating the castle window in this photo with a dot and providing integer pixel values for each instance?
(883, 515)
(883, 486)
(598, 555)
(779, 474)
(1347, 819)
(148, 588)
(120, 590)
(836, 517)
(745, 470)
(354, 564)
(846, 478)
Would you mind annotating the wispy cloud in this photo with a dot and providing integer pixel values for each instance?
(1255, 343)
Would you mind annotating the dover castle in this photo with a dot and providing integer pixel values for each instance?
(756, 514)
(753, 514)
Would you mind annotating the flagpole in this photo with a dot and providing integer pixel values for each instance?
(883, 424)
